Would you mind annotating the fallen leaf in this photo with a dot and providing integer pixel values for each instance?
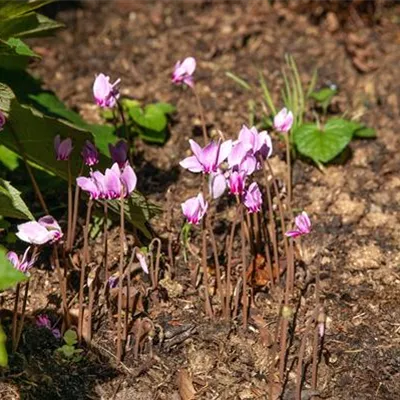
(185, 385)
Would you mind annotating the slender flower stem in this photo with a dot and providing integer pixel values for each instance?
(90, 308)
(170, 234)
(29, 170)
(288, 250)
(299, 372)
(208, 307)
(126, 130)
(289, 171)
(15, 316)
(217, 266)
(228, 291)
(105, 242)
(314, 378)
(63, 286)
(83, 267)
(272, 232)
(121, 272)
(244, 270)
(76, 209)
(201, 113)
(21, 323)
(70, 205)
(156, 268)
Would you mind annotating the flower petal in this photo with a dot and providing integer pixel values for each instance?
(192, 164)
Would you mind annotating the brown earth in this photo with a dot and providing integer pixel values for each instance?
(354, 205)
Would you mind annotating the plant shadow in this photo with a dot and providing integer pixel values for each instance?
(40, 373)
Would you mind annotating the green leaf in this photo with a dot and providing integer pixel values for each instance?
(12, 8)
(240, 81)
(68, 351)
(15, 47)
(70, 337)
(153, 122)
(51, 105)
(323, 95)
(129, 103)
(3, 349)
(138, 211)
(8, 158)
(27, 26)
(35, 133)
(364, 132)
(11, 203)
(15, 54)
(9, 276)
(150, 118)
(6, 95)
(323, 145)
(166, 108)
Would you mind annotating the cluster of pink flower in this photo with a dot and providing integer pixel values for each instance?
(243, 158)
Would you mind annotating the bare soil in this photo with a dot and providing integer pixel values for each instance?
(354, 204)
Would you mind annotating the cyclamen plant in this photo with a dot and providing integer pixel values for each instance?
(237, 166)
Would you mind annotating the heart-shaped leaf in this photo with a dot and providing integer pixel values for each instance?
(11, 203)
(151, 117)
(323, 145)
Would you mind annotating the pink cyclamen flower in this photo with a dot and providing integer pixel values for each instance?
(252, 198)
(283, 121)
(207, 159)
(43, 321)
(194, 209)
(24, 263)
(105, 93)
(303, 225)
(63, 148)
(250, 146)
(119, 152)
(46, 230)
(142, 261)
(2, 120)
(113, 184)
(90, 154)
(236, 182)
(183, 72)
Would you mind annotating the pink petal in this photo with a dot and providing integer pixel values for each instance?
(224, 151)
(101, 86)
(142, 261)
(197, 150)
(13, 258)
(88, 185)
(189, 65)
(192, 164)
(112, 183)
(293, 234)
(128, 179)
(217, 185)
(209, 157)
(33, 232)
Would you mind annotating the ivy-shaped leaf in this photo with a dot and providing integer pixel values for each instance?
(11, 203)
(323, 145)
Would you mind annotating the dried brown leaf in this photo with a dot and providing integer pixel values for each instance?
(185, 385)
